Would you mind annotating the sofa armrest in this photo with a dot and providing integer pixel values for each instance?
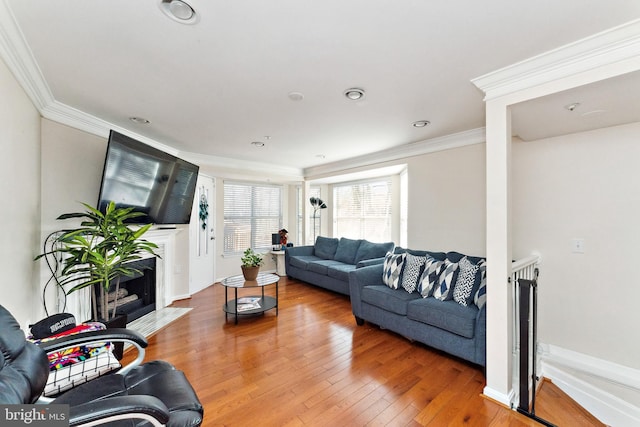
(368, 262)
(481, 335)
(297, 251)
(360, 277)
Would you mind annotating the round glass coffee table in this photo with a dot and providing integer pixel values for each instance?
(253, 304)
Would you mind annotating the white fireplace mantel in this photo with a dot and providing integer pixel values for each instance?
(79, 303)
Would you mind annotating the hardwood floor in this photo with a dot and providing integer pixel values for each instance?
(313, 366)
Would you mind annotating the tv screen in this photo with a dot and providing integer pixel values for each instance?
(151, 181)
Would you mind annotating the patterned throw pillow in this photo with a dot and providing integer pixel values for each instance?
(447, 279)
(412, 269)
(480, 298)
(463, 290)
(392, 269)
(430, 275)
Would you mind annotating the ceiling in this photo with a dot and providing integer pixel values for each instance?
(214, 87)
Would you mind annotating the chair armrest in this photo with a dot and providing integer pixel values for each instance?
(115, 334)
(120, 408)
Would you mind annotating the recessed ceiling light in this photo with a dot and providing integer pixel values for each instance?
(179, 10)
(258, 143)
(320, 156)
(354, 93)
(139, 120)
(421, 123)
(572, 106)
(296, 96)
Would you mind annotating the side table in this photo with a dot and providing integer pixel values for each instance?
(280, 267)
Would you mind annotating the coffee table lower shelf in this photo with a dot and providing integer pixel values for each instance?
(266, 303)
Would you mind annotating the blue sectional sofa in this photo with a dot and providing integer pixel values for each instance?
(328, 262)
(425, 305)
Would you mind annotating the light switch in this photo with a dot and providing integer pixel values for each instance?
(577, 246)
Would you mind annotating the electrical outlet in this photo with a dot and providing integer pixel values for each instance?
(577, 246)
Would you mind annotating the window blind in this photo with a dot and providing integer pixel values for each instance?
(252, 212)
(363, 210)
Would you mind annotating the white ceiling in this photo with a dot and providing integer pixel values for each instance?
(214, 87)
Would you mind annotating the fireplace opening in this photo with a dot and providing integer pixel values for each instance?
(136, 294)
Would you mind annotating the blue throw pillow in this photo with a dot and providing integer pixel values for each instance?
(325, 247)
(347, 249)
(467, 282)
(446, 281)
(392, 269)
(430, 276)
(480, 298)
(413, 266)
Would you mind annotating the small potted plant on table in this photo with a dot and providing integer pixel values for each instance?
(251, 263)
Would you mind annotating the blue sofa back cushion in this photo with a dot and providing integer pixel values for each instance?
(457, 256)
(369, 250)
(325, 247)
(347, 249)
(439, 256)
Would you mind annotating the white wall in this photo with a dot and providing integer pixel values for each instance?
(583, 186)
(446, 206)
(20, 192)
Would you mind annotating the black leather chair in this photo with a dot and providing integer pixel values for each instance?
(153, 393)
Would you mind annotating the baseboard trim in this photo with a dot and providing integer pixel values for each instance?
(501, 398)
(571, 372)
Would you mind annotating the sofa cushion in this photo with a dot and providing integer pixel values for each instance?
(444, 287)
(369, 250)
(457, 256)
(430, 276)
(325, 247)
(467, 282)
(480, 297)
(340, 271)
(321, 266)
(447, 315)
(440, 256)
(392, 269)
(302, 261)
(413, 266)
(347, 249)
(393, 300)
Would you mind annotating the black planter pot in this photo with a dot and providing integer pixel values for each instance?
(120, 321)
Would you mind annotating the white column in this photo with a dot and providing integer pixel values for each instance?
(499, 292)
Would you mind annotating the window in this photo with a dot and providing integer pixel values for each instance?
(252, 212)
(363, 210)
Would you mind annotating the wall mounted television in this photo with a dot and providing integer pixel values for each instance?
(156, 183)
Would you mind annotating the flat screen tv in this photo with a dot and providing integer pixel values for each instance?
(151, 181)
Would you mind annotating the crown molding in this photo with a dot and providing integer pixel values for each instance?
(616, 45)
(460, 139)
(266, 171)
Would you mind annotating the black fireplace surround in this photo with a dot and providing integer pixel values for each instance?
(138, 292)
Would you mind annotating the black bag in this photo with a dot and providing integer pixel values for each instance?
(53, 325)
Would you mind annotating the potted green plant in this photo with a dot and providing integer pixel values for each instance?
(251, 263)
(98, 252)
